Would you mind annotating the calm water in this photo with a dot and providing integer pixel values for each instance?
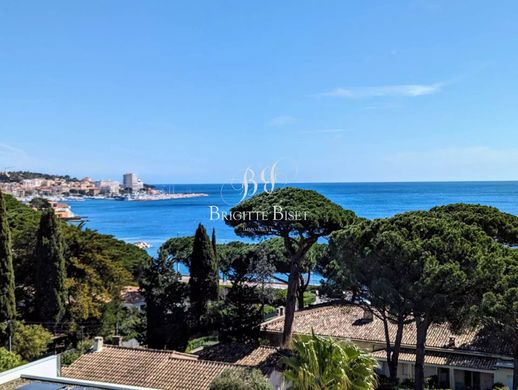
(156, 221)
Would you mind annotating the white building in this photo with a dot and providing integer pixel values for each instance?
(130, 181)
(32, 183)
(109, 186)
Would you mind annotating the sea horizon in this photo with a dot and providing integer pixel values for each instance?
(156, 221)
(353, 182)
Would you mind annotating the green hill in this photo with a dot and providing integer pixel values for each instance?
(18, 176)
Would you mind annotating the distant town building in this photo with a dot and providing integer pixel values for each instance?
(62, 210)
(130, 181)
(108, 187)
(33, 183)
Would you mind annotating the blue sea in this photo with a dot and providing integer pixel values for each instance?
(156, 221)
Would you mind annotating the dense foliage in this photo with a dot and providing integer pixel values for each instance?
(319, 363)
(276, 252)
(30, 341)
(96, 267)
(17, 176)
(9, 360)
(7, 282)
(50, 293)
(499, 309)
(177, 250)
(242, 310)
(420, 264)
(431, 267)
(166, 308)
(501, 226)
(305, 216)
(368, 264)
(240, 379)
(71, 355)
(203, 275)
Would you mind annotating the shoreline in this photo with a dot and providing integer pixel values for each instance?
(129, 197)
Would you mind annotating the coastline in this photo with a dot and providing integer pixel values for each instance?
(129, 197)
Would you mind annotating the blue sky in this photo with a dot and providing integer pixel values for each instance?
(197, 91)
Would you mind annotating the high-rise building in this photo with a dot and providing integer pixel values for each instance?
(130, 181)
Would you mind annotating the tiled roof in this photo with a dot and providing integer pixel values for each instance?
(346, 321)
(263, 357)
(147, 368)
(445, 359)
(132, 295)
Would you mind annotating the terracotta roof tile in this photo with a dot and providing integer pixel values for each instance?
(263, 357)
(147, 368)
(445, 359)
(346, 321)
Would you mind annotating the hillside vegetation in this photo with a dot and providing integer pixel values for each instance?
(97, 266)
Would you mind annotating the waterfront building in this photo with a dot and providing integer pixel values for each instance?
(130, 181)
(62, 210)
(109, 187)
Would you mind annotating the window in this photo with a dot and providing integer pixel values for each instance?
(472, 380)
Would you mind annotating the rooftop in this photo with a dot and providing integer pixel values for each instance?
(263, 357)
(146, 368)
(445, 359)
(346, 322)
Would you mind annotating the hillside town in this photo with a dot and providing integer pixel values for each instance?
(26, 186)
(65, 186)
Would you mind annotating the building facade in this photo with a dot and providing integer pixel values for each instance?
(130, 181)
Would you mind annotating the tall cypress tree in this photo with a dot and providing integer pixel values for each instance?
(166, 311)
(203, 271)
(50, 273)
(213, 241)
(7, 299)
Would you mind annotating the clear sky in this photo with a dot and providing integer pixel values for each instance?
(197, 91)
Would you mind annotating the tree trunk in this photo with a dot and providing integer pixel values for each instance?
(291, 301)
(300, 298)
(388, 347)
(397, 347)
(303, 286)
(515, 371)
(422, 330)
(393, 351)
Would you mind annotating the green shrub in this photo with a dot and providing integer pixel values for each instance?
(280, 295)
(9, 360)
(201, 342)
(309, 298)
(268, 309)
(319, 363)
(70, 356)
(30, 341)
(240, 379)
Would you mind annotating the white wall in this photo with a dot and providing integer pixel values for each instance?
(277, 381)
(504, 376)
(48, 367)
